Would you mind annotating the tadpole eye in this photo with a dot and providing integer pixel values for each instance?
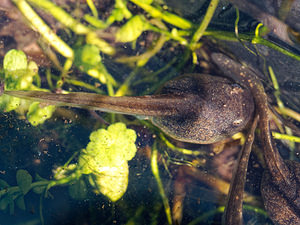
(237, 122)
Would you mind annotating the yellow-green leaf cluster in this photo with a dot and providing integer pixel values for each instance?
(106, 158)
(37, 115)
(19, 74)
(88, 59)
(111, 181)
(109, 147)
(132, 29)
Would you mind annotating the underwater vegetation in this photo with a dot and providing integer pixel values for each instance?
(149, 112)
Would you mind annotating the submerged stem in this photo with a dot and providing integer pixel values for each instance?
(44, 29)
(155, 171)
(206, 20)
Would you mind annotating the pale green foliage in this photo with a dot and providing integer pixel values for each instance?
(24, 180)
(9, 199)
(109, 147)
(16, 77)
(37, 114)
(148, 2)
(15, 60)
(9, 103)
(105, 159)
(78, 190)
(111, 181)
(119, 12)
(19, 75)
(88, 59)
(132, 29)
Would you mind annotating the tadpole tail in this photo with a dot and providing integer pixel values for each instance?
(1, 85)
(248, 77)
(1, 88)
(155, 105)
(233, 213)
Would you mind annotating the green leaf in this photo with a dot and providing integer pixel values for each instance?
(119, 12)
(11, 207)
(9, 103)
(87, 57)
(5, 201)
(33, 67)
(39, 189)
(108, 148)
(24, 180)
(15, 60)
(3, 184)
(111, 181)
(148, 2)
(20, 202)
(106, 159)
(132, 29)
(90, 54)
(37, 115)
(121, 5)
(95, 21)
(78, 190)
(18, 76)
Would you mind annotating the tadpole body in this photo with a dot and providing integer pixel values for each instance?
(195, 108)
(280, 185)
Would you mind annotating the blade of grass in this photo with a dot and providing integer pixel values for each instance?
(206, 20)
(40, 26)
(155, 171)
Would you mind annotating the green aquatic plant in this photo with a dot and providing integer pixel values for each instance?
(106, 159)
(104, 163)
(19, 75)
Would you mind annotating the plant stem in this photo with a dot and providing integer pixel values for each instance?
(181, 150)
(166, 16)
(66, 19)
(289, 112)
(174, 34)
(124, 87)
(144, 58)
(259, 40)
(281, 106)
(92, 8)
(285, 137)
(205, 216)
(206, 20)
(61, 15)
(44, 29)
(72, 177)
(155, 172)
(229, 36)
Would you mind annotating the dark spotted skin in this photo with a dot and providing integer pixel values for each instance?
(219, 109)
(280, 185)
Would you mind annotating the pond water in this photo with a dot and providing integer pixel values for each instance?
(195, 178)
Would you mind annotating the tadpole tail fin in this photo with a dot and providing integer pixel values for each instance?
(1, 86)
(154, 105)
